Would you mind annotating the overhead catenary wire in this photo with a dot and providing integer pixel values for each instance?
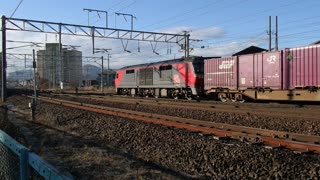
(15, 10)
(284, 5)
(182, 14)
(218, 41)
(201, 14)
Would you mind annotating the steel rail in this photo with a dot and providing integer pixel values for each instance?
(208, 106)
(294, 141)
(217, 108)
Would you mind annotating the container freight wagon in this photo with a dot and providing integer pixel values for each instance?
(289, 75)
(178, 78)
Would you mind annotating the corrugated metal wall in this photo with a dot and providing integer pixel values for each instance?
(261, 70)
(221, 72)
(302, 67)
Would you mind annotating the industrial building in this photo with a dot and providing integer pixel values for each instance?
(109, 76)
(55, 70)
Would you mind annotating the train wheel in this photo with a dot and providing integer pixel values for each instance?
(239, 98)
(222, 97)
(175, 94)
(242, 101)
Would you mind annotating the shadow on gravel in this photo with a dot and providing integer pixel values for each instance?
(66, 145)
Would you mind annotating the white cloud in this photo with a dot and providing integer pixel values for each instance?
(195, 33)
(226, 49)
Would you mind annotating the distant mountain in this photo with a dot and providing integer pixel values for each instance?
(20, 75)
(90, 72)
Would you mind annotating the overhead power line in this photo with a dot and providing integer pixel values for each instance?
(116, 4)
(182, 14)
(16, 9)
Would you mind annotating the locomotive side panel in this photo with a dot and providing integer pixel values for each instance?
(126, 78)
(191, 76)
(145, 76)
(119, 77)
(164, 76)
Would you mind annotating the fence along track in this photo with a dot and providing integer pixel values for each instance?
(18, 162)
(277, 139)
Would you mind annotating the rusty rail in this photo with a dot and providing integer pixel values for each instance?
(211, 108)
(298, 142)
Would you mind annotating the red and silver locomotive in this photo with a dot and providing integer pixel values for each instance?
(178, 78)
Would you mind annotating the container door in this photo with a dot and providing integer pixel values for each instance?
(271, 70)
(258, 70)
(246, 72)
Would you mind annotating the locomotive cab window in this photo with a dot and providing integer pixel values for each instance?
(163, 68)
(130, 71)
(165, 72)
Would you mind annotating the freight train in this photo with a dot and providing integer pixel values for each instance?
(286, 75)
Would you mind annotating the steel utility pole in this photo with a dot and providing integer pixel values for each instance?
(61, 76)
(101, 77)
(108, 83)
(34, 65)
(4, 61)
(25, 61)
(124, 15)
(269, 33)
(276, 36)
(186, 44)
(95, 10)
(34, 100)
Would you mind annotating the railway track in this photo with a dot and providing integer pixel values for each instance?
(288, 112)
(270, 138)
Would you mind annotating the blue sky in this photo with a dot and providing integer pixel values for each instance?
(225, 26)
